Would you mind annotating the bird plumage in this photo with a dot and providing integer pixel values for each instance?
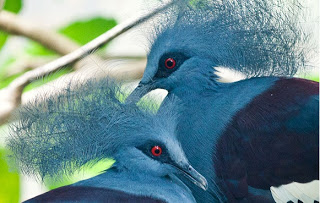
(249, 135)
(87, 123)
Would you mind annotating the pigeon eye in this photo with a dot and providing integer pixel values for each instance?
(170, 63)
(156, 151)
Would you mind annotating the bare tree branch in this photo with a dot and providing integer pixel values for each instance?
(11, 95)
(13, 24)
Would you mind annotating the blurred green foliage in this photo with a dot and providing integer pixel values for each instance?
(3, 38)
(10, 185)
(81, 32)
(86, 172)
(4, 81)
(47, 79)
(314, 78)
(10, 188)
(13, 6)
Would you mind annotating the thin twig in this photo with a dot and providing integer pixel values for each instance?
(126, 70)
(30, 63)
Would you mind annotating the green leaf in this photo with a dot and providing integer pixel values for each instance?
(85, 31)
(9, 181)
(12, 5)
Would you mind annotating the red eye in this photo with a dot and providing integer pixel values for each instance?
(156, 151)
(170, 63)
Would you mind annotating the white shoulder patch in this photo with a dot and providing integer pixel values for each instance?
(307, 192)
(227, 75)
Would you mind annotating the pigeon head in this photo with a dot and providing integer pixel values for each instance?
(256, 38)
(156, 151)
(159, 158)
(87, 123)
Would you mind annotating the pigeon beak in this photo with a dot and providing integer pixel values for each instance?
(194, 176)
(141, 90)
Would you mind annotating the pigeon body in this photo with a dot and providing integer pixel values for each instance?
(267, 135)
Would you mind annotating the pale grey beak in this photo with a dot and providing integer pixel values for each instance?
(141, 90)
(194, 176)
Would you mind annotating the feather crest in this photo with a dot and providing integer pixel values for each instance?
(81, 125)
(257, 38)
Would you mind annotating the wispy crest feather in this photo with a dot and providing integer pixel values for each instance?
(256, 37)
(81, 125)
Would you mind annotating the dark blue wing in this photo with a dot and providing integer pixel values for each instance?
(274, 140)
(90, 194)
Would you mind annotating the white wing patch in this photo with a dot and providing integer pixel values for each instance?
(226, 75)
(308, 192)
